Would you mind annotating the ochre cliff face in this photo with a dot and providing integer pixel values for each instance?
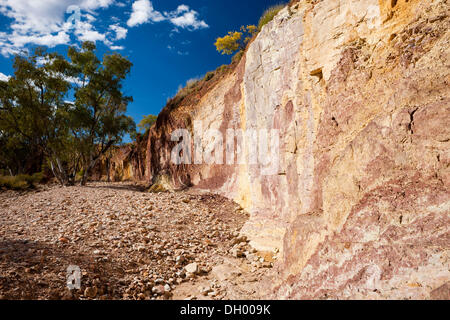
(360, 205)
(125, 163)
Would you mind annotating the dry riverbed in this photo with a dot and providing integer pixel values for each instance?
(128, 243)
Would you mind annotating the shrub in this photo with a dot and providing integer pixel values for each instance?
(31, 180)
(237, 57)
(235, 40)
(192, 83)
(14, 182)
(209, 75)
(147, 122)
(37, 177)
(222, 69)
(269, 14)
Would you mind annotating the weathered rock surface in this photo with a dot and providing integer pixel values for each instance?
(125, 163)
(359, 207)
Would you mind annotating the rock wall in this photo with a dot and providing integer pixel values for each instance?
(125, 163)
(359, 90)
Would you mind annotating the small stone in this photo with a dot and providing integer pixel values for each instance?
(252, 257)
(159, 290)
(91, 292)
(64, 240)
(192, 268)
(240, 239)
(205, 290)
(167, 295)
(236, 252)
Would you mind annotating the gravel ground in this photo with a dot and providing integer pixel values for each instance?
(128, 243)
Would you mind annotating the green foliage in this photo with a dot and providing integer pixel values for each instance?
(147, 122)
(222, 69)
(192, 83)
(209, 75)
(34, 114)
(13, 183)
(229, 43)
(269, 14)
(20, 182)
(33, 179)
(190, 87)
(235, 40)
(33, 111)
(237, 57)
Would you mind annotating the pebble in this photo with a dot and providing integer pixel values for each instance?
(134, 254)
(192, 268)
(91, 292)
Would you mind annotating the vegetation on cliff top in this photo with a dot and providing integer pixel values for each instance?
(147, 122)
(236, 40)
(269, 14)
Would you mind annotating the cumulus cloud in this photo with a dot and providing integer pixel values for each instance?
(44, 23)
(116, 48)
(183, 17)
(4, 77)
(65, 22)
(144, 12)
(49, 40)
(188, 19)
(85, 32)
(121, 32)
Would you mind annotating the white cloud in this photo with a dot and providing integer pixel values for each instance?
(43, 23)
(182, 17)
(73, 80)
(117, 48)
(49, 40)
(85, 32)
(182, 8)
(144, 12)
(47, 23)
(189, 19)
(121, 32)
(94, 4)
(4, 77)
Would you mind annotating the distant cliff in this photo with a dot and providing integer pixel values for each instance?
(124, 163)
(359, 89)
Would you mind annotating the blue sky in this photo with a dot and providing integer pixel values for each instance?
(168, 42)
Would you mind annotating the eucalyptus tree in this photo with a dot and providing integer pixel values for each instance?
(98, 119)
(72, 136)
(33, 107)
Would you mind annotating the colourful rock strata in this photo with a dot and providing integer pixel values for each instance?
(360, 205)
